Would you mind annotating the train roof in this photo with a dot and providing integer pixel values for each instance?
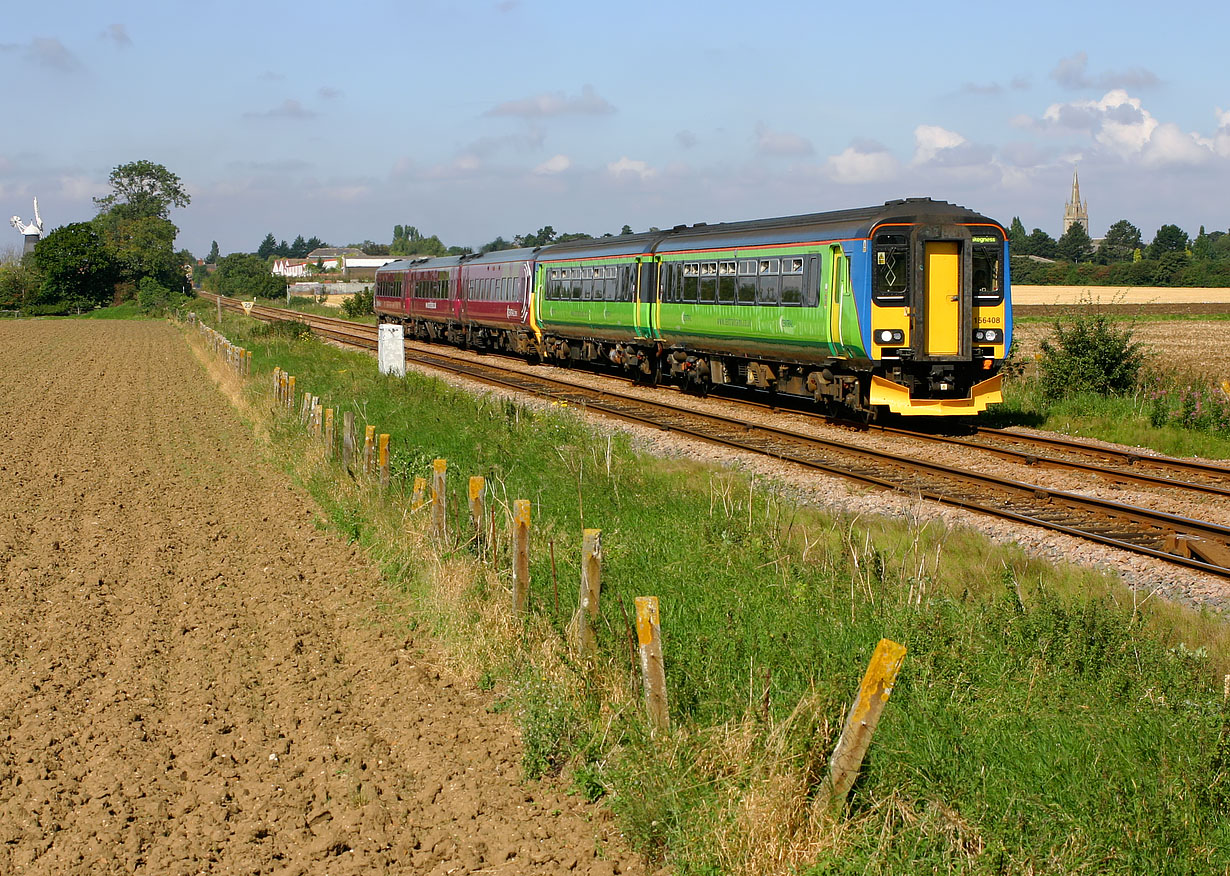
(835, 225)
(597, 247)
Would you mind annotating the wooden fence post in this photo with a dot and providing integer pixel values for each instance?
(521, 555)
(330, 438)
(439, 515)
(369, 450)
(591, 585)
(478, 509)
(383, 459)
(653, 669)
(861, 723)
(290, 393)
(347, 439)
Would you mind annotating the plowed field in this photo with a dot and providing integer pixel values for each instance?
(195, 678)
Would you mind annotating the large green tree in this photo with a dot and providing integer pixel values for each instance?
(77, 269)
(133, 222)
(1042, 244)
(1169, 238)
(1121, 241)
(143, 188)
(1018, 238)
(1075, 245)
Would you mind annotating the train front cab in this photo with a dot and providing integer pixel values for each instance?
(940, 317)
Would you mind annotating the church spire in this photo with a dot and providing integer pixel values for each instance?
(1075, 210)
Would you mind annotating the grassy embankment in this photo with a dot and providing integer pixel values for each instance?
(1045, 719)
(1179, 406)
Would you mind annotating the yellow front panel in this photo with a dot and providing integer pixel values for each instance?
(943, 273)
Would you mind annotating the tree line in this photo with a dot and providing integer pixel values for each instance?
(1122, 258)
(125, 253)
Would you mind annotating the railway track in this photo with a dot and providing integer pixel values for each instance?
(1185, 541)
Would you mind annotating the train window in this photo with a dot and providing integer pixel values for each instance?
(726, 289)
(769, 266)
(575, 279)
(747, 268)
(770, 288)
(691, 282)
(792, 287)
(708, 287)
(890, 279)
(747, 289)
(986, 270)
(792, 266)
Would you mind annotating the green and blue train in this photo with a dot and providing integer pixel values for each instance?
(904, 307)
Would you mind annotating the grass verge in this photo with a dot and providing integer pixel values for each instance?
(1046, 719)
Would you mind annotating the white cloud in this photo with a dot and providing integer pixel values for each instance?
(1170, 145)
(555, 103)
(626, 166)
(781, 143)
(554, 164)
(930, 141)
(1073, 72)
(1120, 124)
(862, 163)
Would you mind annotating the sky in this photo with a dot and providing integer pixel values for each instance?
(470, 120)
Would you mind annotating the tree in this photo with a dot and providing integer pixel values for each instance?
(212, 258)
(1018, 240)
(627, 229)
(243, 275)
(1122, 239)
(407, 240)
(1042, 244)
(19, 284)
(142, 247)
(143, 188)
(1075, 245)
(1202, 246)
(1169, 238)
(268, 247)
(299, 249)
(78, 271)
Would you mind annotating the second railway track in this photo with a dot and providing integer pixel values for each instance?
(1189, 542)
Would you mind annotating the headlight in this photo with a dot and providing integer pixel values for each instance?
(890, 336)
(989, 336)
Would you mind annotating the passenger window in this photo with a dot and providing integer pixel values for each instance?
(770, 288)
(792, 289)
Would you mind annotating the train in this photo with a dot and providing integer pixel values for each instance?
(903, 308)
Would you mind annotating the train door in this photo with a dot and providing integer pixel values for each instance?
(943, 297)
(646, 298)
(836, 290)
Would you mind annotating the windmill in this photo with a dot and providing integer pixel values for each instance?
(32, 231)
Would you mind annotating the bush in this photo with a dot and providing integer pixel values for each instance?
(152, 296)
(360, 304)
(1088, 353)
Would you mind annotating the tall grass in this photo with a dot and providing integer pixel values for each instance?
(1046, 719)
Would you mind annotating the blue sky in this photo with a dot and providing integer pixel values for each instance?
(471, 120)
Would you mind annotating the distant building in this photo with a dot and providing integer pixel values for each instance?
(348, 261)
(1075, 210)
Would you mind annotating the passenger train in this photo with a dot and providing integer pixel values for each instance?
(904, 307)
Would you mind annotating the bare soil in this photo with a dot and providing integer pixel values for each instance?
(198, 679)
